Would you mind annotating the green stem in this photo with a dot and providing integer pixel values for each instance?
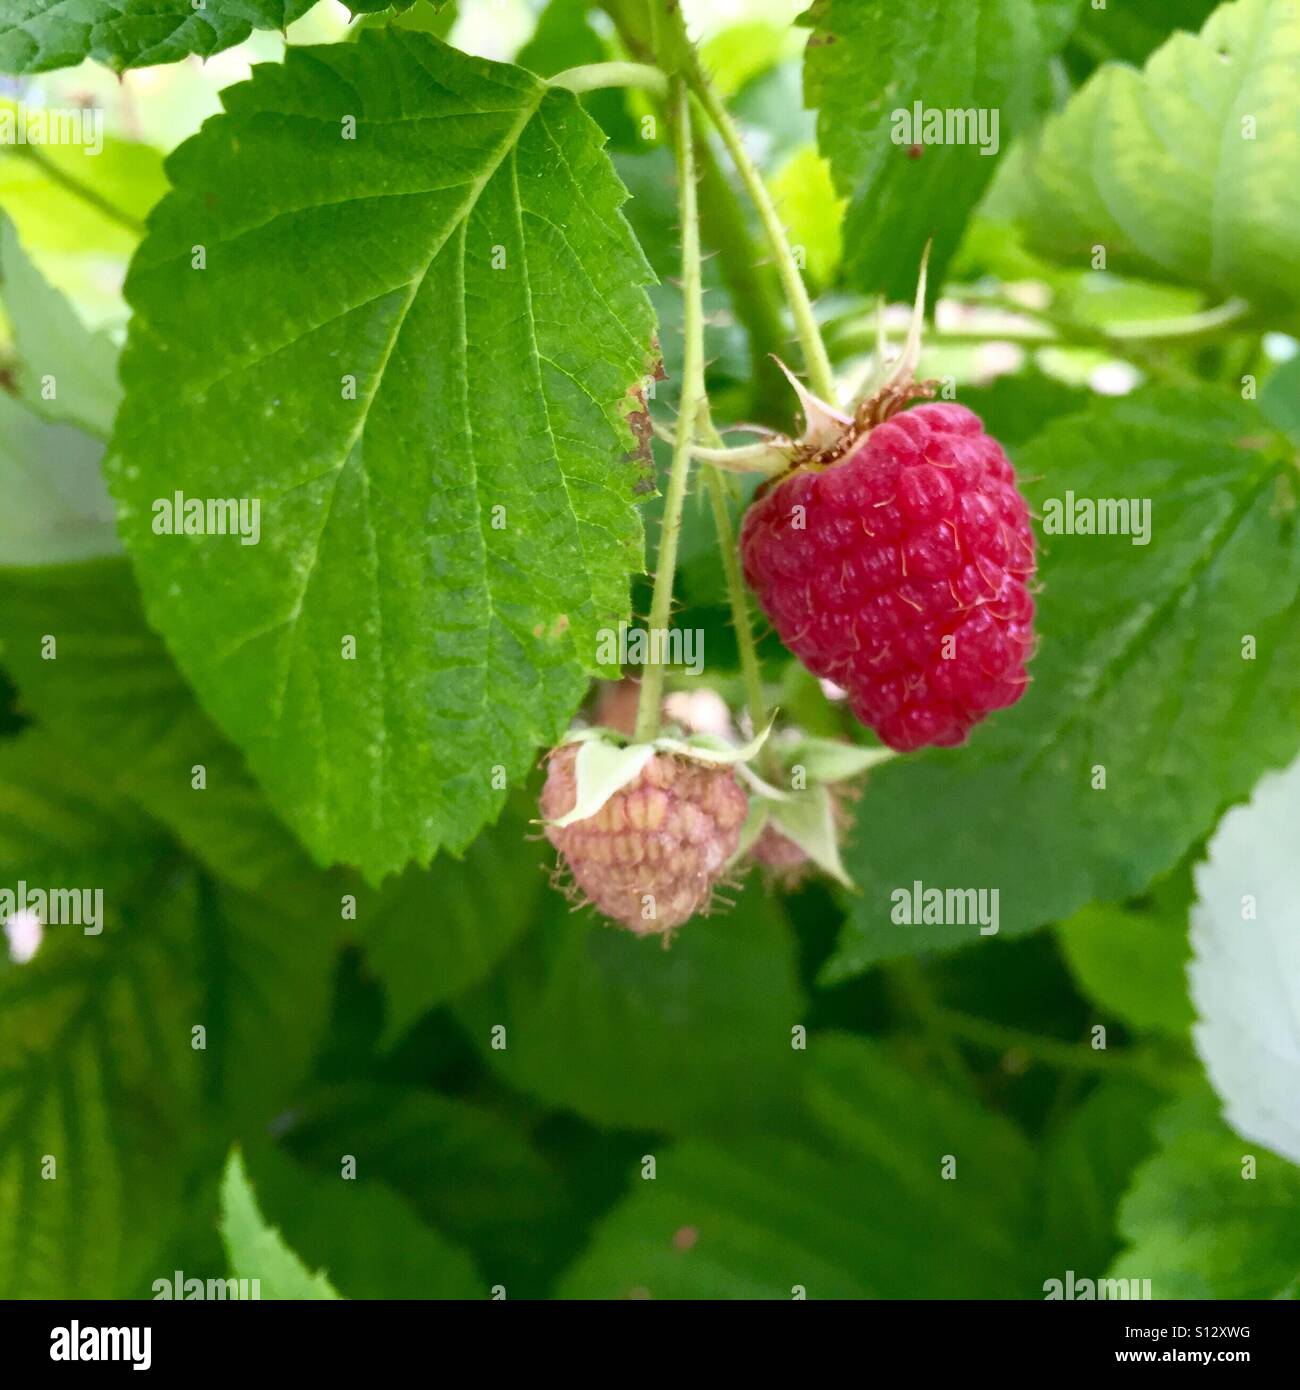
(592, 77)
(998, 1037)
(911, 988)
(738, 600)
(754, 287)
(692, 402)
(64, 180)
(817, 363)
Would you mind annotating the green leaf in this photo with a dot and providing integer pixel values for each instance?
(430, 934)
(1188, 170)
(372, 1241)
(809, 820)
(1198, 1226)
(627, 1034)
(1015, 408)
(734, 56)
(1132, 961)
(109, 1098)
(1129, 33)
(467, 1172)
(1280, 398)
(1126, 631)
(53, 811)
(37, 35)
(54, 507)
(257, 1251)
(566, 38)
(1246, 964)
(813, 215)
(867, 60)
(1087, 1165)
(56, 351)
(843, 1202)
(80, 217)
(467, 514)
(114, 698)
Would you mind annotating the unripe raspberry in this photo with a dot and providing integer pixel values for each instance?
(788, 864)
(777, 854)
(901, 572)
(652, 855)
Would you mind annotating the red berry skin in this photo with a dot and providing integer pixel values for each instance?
(901, 572)
(650, 857)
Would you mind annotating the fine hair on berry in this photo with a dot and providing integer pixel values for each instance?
(651, 857)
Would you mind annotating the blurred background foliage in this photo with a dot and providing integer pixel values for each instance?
(776, 1165)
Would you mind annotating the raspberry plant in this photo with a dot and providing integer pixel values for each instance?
(354, 741)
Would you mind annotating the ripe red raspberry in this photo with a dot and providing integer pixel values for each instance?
(901, 571)
(650, 857)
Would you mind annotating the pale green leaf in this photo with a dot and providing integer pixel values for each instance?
(466, 515)
(66, 372)
(1132, 960)
(832, 760)
(813, 214)
(54, 507)
(256, 1250)
(1245, 971)
(809, 820)
(1187, 170)
(600, 770)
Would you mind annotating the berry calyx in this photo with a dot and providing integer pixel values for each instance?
(652, 855)
(901, 572)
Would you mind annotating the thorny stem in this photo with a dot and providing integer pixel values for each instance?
(818, 364)
(693, 402)
(592, 77)
(738, 600)
(755, 288)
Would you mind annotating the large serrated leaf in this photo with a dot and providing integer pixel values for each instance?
(1188, 170)
(1144, 675)
(381, 351)
(114, 699)
(128, 1049)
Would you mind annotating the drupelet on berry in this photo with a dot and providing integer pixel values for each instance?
(652, 855)
(901, 572)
